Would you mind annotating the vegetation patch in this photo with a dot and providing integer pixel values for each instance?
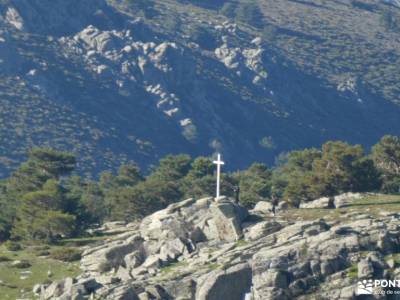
(212, 266)
(18, 283)
(241, 243)
(82, 241)
(173, 266)
(395, 257)
(4, 259)
(21, 264)
(66, 254)
(303, 250)
(12, 246)
(352, 272)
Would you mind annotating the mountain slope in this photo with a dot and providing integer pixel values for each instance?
(134, 80)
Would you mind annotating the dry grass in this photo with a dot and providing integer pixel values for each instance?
(372, 205)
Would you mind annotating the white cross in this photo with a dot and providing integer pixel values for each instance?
(219, 163)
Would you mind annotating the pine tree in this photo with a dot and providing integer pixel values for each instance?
(41, 214)
(386, 157)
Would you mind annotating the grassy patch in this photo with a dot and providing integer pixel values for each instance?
(173, 266)
(395, 257)
(83, 241)
(24, 279)
(66, 254)
(363, 254)
(12, 246)
(303, 250)
(212, 266)
(371, 205)
(352, 272)
(241, 243)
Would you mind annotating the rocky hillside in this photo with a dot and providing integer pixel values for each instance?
(122, 80)
(202, 249)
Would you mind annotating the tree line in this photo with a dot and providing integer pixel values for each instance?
(44, 200)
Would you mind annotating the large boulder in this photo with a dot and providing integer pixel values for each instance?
(120, 291)
(365, 269)
(202, 220)
(110, 255)
(345, 199)
(325, 202)
(232, 284)
(228, 218)
(263, 206)
(185, 288)
(171, 222)
(165, 237)
(70, 289)
(262, 229)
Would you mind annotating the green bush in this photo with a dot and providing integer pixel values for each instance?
(249, 12)
(42, 252)
(12, 246)
(66, 254)
(4, 259)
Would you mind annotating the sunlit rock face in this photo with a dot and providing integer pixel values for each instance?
(207, 249)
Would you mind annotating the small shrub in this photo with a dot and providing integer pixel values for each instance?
(241, 243)
(4, 259)
(105, 267)
(42, 247)
(21, 264)
(42, 250)
(249, 12)
(204, 37)
(303, 250)
(12, 246)
(47, 282)
(352, 272)
(42, 253)
(269, 33)
(390, 20)
(66, 254)
(228, 10)
(268, 142)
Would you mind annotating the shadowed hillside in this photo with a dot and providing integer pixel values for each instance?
(116, 81)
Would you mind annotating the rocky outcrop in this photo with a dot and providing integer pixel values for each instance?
(263, 206)
(232, 283)
(161, 239)
(338, 201)
(207, 249)
(345, 199)
(227, 219)
(247, 63)
(324, 202)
